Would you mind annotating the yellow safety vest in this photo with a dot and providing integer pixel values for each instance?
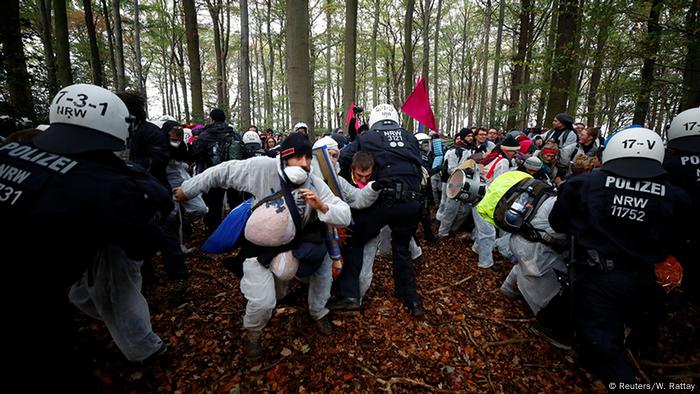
(495, 192)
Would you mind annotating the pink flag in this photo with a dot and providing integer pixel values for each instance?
(417, 105)
(351, 113)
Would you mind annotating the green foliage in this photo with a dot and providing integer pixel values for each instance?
(458, 53)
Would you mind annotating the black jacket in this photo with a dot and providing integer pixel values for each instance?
(212, 133)
(149, 148)
(62, 209)
(395, 151)
(628, 220)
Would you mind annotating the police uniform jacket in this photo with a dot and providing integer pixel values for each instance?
(626, 220)
(395, 151)
(58, 211)
(684, 171)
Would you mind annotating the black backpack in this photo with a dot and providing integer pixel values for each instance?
(539, 192)
(223, 150)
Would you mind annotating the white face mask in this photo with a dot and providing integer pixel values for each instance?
(296, 174)
(175, 144)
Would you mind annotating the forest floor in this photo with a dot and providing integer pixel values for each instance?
(470, 339)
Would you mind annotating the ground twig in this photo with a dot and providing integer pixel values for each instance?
(391, 382)
(509, 341)
(664, 365)
(644, 376)
(483, 354)
(211, 275)
(448, 286)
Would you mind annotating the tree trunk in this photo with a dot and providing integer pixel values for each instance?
(193, 56)
(562, 59)
(272, 61)
(485, 64)
(691, 74)
(267, 85)
(497, 64)
(119, 49)
(183, 82)
(215, 11)
(653, 40)
(375, 31)
(450, 93)
(408, 57)
(225, 29)
(300, 94)
(436, 96)
(137, 48)
(577, 64)
(47, 40)
(518, 65)
(329, 82)
(244, 76)
(547, 67)
(14, 62)
(65, 75)
(95, 63)
(598, 56)
(110, 42)
(426, 40)
(349, 57)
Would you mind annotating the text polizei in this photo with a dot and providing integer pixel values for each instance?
(639, 185)
(51, 161)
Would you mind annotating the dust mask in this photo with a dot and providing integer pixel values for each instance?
(175, 144)
(296, 174)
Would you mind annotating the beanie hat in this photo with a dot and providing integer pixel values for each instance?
(340, 139)
(533, 163)
(566, 119)
(464, 133)
(217, 115)
(525, 144)
(328, 142)
(510, 144)
(295, 145)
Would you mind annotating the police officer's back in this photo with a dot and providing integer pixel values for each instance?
(682, 162)
(64, 197)
(623, 218)
(398, 171)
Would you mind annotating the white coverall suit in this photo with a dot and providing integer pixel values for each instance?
(260, 176)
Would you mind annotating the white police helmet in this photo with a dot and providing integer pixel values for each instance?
(684, 132)
(383, 112)
(251, 137)
(634, 152)
(301, 125)
(422, 137)
(85, 118)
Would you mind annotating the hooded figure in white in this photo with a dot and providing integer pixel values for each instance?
(260, 176)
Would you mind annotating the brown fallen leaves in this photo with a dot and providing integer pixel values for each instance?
(471, 339)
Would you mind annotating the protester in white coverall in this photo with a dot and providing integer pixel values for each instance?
(453, 212)
(484, 233)
(533, 276)
(260, 176)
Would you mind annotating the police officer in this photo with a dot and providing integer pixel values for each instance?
(683, 165)
(398, 171)
(67, 203)
(149, 147)
(623, 220)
